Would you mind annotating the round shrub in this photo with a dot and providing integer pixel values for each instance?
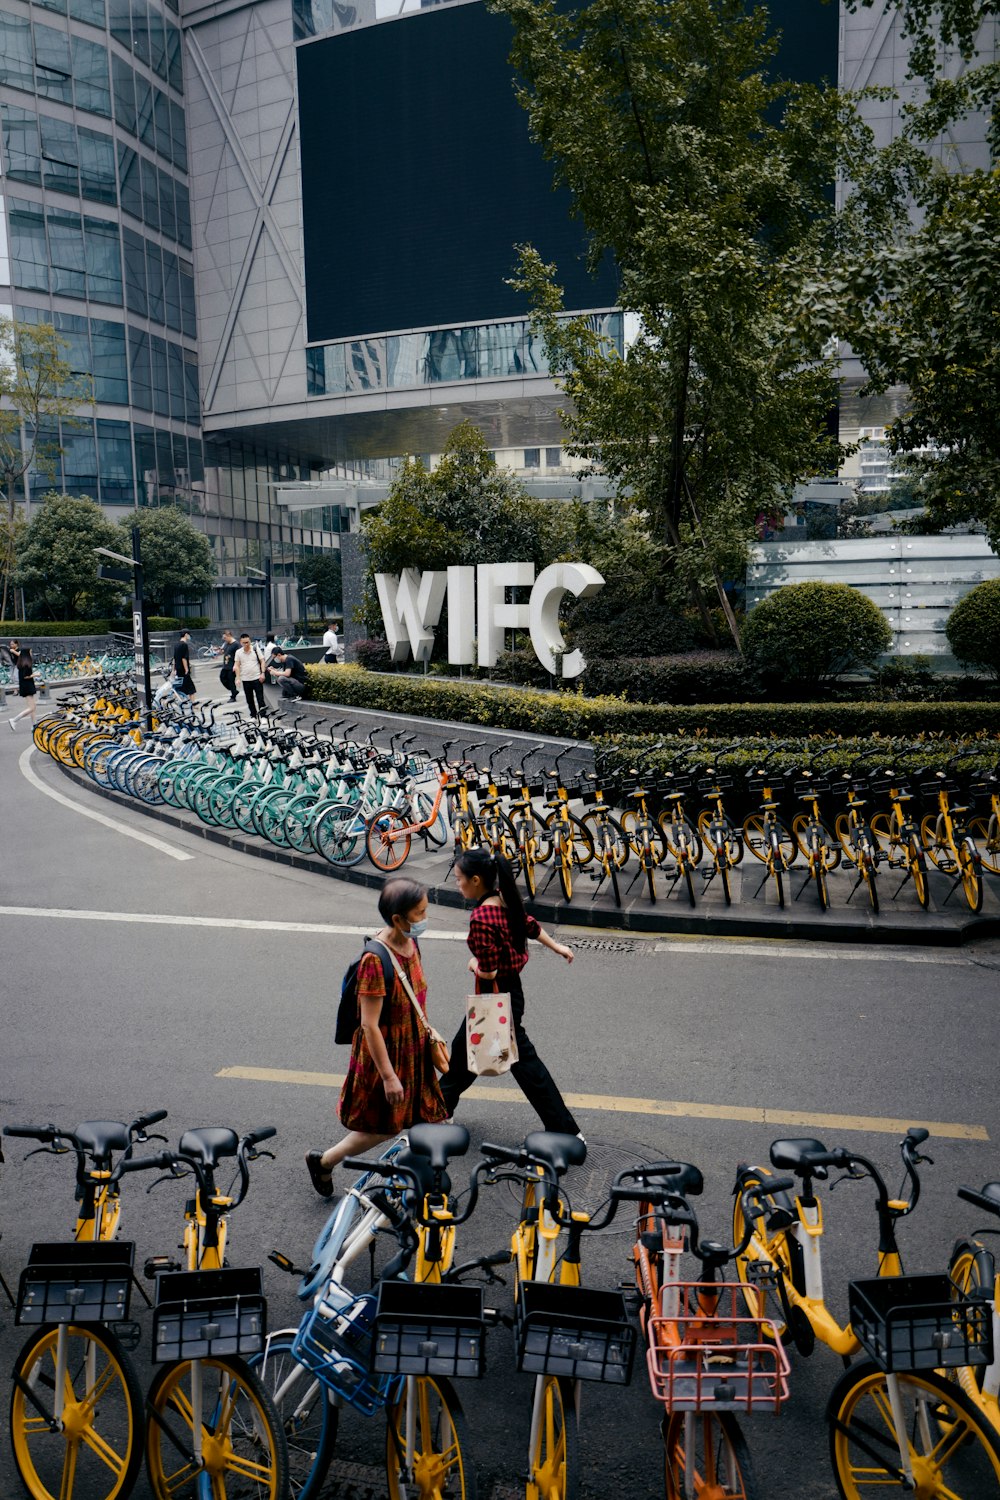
(808, 633)
(973, 627)
(373, 654)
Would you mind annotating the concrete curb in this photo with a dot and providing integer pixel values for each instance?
(916, 929)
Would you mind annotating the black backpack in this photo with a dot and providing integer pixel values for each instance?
(349, 1011)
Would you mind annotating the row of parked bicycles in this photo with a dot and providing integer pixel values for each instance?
(321, 789)
(52, 667)
(235, 1410)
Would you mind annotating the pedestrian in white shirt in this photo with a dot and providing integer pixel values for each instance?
(248, 665)
(330, 645)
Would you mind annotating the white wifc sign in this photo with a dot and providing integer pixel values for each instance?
(478, 612)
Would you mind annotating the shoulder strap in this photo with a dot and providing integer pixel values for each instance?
(401, 976)
(373, 945)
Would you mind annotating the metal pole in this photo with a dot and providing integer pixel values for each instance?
(267, 595)
(140, 628)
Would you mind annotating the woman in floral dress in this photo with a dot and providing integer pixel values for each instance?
(391, 1083)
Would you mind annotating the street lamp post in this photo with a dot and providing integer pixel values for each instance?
(305, 589)
(264, 574)
(140, 631)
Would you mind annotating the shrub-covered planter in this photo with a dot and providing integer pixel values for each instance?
(31, 629)
(573, 716)
(688, 677)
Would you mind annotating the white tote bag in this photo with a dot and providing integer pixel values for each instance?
(489, 1034)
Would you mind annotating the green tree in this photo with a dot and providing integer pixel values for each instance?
(708, 181)
(810, 633)
(38, 389)
(56, 562)
(973, 627)
(323, 570)
(177, 559)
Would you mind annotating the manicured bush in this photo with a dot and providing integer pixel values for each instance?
(572, 716)
(29, 628)
(521, 666)
(690, 677)
(639, 630)
(808, 633)
(373, 654)
(163, 622)
(973, 627)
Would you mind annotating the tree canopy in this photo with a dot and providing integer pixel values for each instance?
(323, 570)
(57, 565)
(177, 559)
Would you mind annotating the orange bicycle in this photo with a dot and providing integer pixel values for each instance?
(707, 1358)
(389, 832)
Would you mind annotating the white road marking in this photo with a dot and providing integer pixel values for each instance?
(86, 812)
(789, 948)
(253, 924)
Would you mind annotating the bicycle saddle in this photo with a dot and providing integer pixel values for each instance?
(209, 1144)
(101, 1137)
(560, 1151)
(437, 1143)
(800, 1155)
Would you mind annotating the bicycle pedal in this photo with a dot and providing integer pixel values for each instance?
(762, 1274)
(157, 1264)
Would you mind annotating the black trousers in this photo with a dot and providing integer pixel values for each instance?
(254, 694)
(530, 1073)
(292, 688)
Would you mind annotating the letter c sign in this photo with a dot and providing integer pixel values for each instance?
(543, 612)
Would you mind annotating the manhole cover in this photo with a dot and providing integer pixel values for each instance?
(606, 945)
(588, 1185)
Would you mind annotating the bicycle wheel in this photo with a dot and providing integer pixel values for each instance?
(934, 845)
(244, 1455)
(386, 840)
(822, 892)
(987, 836)
(269, 816)
(705, 1453)
(775, 872)
(869, 873)
(308, 1417)
(607, 835)
(526, 847)
(689, 881)
(439, 1467)
(144, 781)
(829, 845)
(299, 813)
(98, 1452)
(221, 797)
(971, 867)
(756, 840)
(435, 832)
(722, 865)
(952, 1449)
(338, 834)
(715, 835)
(562, 846)
(648, 863)
(917, 866)
(554, 1463)
(681, 838)
(888, 833)
(780, 1251)
(972, 1271)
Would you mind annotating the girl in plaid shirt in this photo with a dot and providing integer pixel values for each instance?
(499, 929)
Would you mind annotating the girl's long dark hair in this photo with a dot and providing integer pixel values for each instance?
(498, 877)
(24, 660)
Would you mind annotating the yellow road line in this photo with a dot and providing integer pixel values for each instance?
(612, 1104)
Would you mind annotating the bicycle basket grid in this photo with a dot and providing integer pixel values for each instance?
(920, 1323)
(429, 1330)
(335, 1343)
(76, 1283)
(718, 1361)
(201, 1314)
(573, 1331)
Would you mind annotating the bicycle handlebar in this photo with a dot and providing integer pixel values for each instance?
(414, 1210)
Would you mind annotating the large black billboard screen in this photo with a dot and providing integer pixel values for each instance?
(418, 178)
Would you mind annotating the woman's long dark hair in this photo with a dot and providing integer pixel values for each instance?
(498, 878)
(24, 660)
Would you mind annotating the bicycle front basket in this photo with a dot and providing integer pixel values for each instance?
(725, 1361)
(76, 1283)
(199, 1314)
(573, 1331)
(335, 1343)
(920, 1323)
(429, 1330)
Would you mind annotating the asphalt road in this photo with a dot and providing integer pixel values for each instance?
(681, 1047)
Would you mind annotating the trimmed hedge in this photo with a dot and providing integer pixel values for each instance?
(572, 716)
(689, 677)
(163, 622)
(29, 628)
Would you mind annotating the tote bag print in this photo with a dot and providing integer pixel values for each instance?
(492, 1046)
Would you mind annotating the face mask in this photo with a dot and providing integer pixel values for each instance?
(416, 928)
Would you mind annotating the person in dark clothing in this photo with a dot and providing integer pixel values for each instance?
(290, 673)
(227, 676)
(25, 687)
(499, 929)
(182, 665)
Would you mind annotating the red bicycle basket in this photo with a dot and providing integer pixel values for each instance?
(715, 1360)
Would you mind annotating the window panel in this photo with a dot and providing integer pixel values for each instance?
(79, 458)
(144, 110)
(110, 365)
(104, 261)
(21, 145)
(16, 56)
(161, 380)
(196, 461)
(175, 364)
(175, 76)
(57, 5)
(120, 22)
(67, 253)
(164, 461)
(28, 249)
(130, 181)
(53, 68)
(145, 465)
(150, 193)
(140, 30)
(188, 319)
(90, 77)
(157, 42)
(135, 273)
(183, 207)
(91, 11)
(171, 291)
(97, 166)
(60, 165)
(168, 219)
(178, 136)
(114, 463)
(139, 371)
(124, 87)
(161, 115)
(154, 282)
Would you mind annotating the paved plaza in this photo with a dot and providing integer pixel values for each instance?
(145, 968)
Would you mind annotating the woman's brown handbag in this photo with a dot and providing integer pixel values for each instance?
(440, 1053)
